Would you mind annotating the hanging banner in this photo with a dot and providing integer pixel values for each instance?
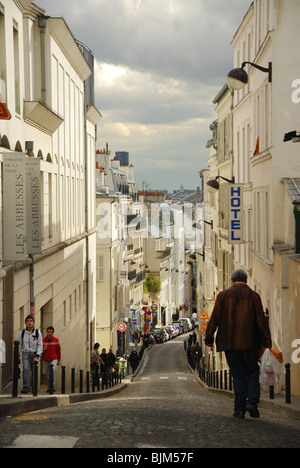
(235, 230)
(33, 196)
(14, 207)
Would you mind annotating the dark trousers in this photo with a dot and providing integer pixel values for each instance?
(245, 373)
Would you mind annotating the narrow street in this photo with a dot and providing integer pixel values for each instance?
(163, 407)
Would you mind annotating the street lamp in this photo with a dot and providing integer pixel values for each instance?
(238, 77)
(295, 136)
(213, 185)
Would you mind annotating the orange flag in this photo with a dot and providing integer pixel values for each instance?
(256, 147)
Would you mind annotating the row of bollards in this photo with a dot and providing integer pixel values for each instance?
(222, 380)
(95, 380)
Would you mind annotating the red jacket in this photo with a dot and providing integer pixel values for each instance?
(51, 349)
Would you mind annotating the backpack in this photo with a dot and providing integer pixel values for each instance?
(34, 336)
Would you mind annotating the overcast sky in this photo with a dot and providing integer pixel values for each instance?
(159, 64)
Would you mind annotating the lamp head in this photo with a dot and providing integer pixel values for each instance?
(237, 78)
(213, 186)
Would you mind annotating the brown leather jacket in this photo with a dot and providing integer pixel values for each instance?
(239, 320)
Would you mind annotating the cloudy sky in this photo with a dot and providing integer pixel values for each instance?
(159, 65)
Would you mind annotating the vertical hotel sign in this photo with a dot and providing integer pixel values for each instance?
(235, 234)
(33, 202)
(14, 206)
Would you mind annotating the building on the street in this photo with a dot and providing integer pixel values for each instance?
(47, 84)
(265, 166)
(120, 251)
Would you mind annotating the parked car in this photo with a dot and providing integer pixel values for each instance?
(179, 327)
(184, 325)
(175, 330)
(168, 330)
(187, 322)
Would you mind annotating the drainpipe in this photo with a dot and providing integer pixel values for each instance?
(42, 22)
(87, 281)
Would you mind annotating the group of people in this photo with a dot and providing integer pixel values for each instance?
(103, 362)
(32, 346)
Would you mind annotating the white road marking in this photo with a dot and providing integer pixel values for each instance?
(38, 441)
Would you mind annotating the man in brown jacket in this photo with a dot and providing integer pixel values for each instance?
(242, 332)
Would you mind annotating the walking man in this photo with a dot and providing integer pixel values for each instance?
(31, 349)
(51, 355)
(242, 332)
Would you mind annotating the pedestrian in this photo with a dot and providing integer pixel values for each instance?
(242, 332)
(194, 338)
(31, 349)
(111, 363)
(197, 355)
(134, 360)
(51, 355)
(95, 362)
(136, 338)
(104, 365)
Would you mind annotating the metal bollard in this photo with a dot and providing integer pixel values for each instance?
(288, 383)
(72, 380)
(63, 380)
(225, 379)
(16, 370)
(35, 378)
(81, 381)
(87, 382)
(51, 379)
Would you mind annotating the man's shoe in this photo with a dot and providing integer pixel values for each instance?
(239, 413)
(254, 413)
(24, 391)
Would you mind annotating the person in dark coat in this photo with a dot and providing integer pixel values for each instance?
(134, 360)
(242, 332)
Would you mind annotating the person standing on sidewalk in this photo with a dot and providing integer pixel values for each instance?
(51, 355)
(31, 349)
(242, 332)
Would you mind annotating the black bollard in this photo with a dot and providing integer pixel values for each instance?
(35, 377)
(288, 384)
(51, 390)
(81, 381)
(16, 370)
(63, 380)
(87, 382)
(72, 380)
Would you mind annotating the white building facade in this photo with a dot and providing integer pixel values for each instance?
(53, 121)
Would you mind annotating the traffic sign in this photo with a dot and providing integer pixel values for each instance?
(204, 316)
(122, 326)
(4, 112)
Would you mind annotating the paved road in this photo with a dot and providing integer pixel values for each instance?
(163, 408)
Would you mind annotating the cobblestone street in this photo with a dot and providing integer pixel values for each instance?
(164, 407)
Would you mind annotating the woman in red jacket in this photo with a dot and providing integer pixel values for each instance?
(51, 355)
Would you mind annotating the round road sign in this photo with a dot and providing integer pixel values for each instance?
(122, 326)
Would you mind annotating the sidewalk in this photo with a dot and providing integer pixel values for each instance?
(277, 405)
(10, 407)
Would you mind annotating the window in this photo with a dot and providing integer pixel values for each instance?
(17, 68)
(100, 268)
(2, 55)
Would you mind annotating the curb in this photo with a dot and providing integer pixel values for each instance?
(15, 406)
(27, 404)
(272, 405)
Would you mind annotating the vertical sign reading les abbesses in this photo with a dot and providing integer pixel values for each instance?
(14, 206)
(235, 231)
(33, 197)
